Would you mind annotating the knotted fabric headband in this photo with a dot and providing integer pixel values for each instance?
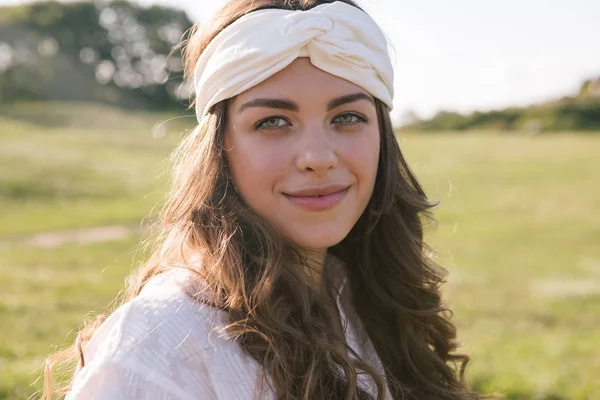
(339, 39)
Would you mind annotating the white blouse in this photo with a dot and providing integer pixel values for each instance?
(162, 345)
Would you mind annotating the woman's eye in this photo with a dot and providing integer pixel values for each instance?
(348, 119)
(272, 123)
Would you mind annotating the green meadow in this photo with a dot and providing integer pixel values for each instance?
(518, 230)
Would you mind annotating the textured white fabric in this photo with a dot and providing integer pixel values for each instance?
(339, 39)
(162, 345)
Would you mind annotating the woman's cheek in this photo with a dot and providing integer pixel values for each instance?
(263, 166)
(363, 152)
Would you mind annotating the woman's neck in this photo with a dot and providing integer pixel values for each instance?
(316, 265)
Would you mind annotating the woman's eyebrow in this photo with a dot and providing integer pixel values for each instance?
(269, 103)
(349, 98)
(291, 106)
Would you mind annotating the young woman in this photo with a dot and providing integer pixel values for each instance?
(292, 264)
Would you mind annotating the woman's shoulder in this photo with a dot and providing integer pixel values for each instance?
(162, 317)
(160, 342)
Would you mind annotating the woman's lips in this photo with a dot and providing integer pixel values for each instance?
(318, 203)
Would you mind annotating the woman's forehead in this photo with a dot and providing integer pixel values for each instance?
(300, 79)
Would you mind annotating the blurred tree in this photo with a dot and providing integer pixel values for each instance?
(581, 112)
(112, 52)
(590, 88)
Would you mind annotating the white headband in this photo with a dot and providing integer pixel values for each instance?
(339, 39)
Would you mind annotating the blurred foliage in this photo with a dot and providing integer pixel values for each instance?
(580, 112)
(112, 52)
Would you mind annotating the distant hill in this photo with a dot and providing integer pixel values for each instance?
(109, 52)
(578, 112)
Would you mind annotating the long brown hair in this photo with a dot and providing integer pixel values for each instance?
(258, 278)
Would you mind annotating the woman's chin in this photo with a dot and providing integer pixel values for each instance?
(319, 241)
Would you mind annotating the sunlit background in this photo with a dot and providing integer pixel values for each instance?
(498, 112)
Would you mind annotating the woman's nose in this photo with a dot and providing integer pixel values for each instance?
(316, 151)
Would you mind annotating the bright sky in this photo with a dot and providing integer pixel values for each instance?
(476, 54)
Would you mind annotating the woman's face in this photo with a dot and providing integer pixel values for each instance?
(303, 148)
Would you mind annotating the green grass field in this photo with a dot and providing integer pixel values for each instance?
(519, 231)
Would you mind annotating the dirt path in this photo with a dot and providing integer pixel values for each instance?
(74, 236)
